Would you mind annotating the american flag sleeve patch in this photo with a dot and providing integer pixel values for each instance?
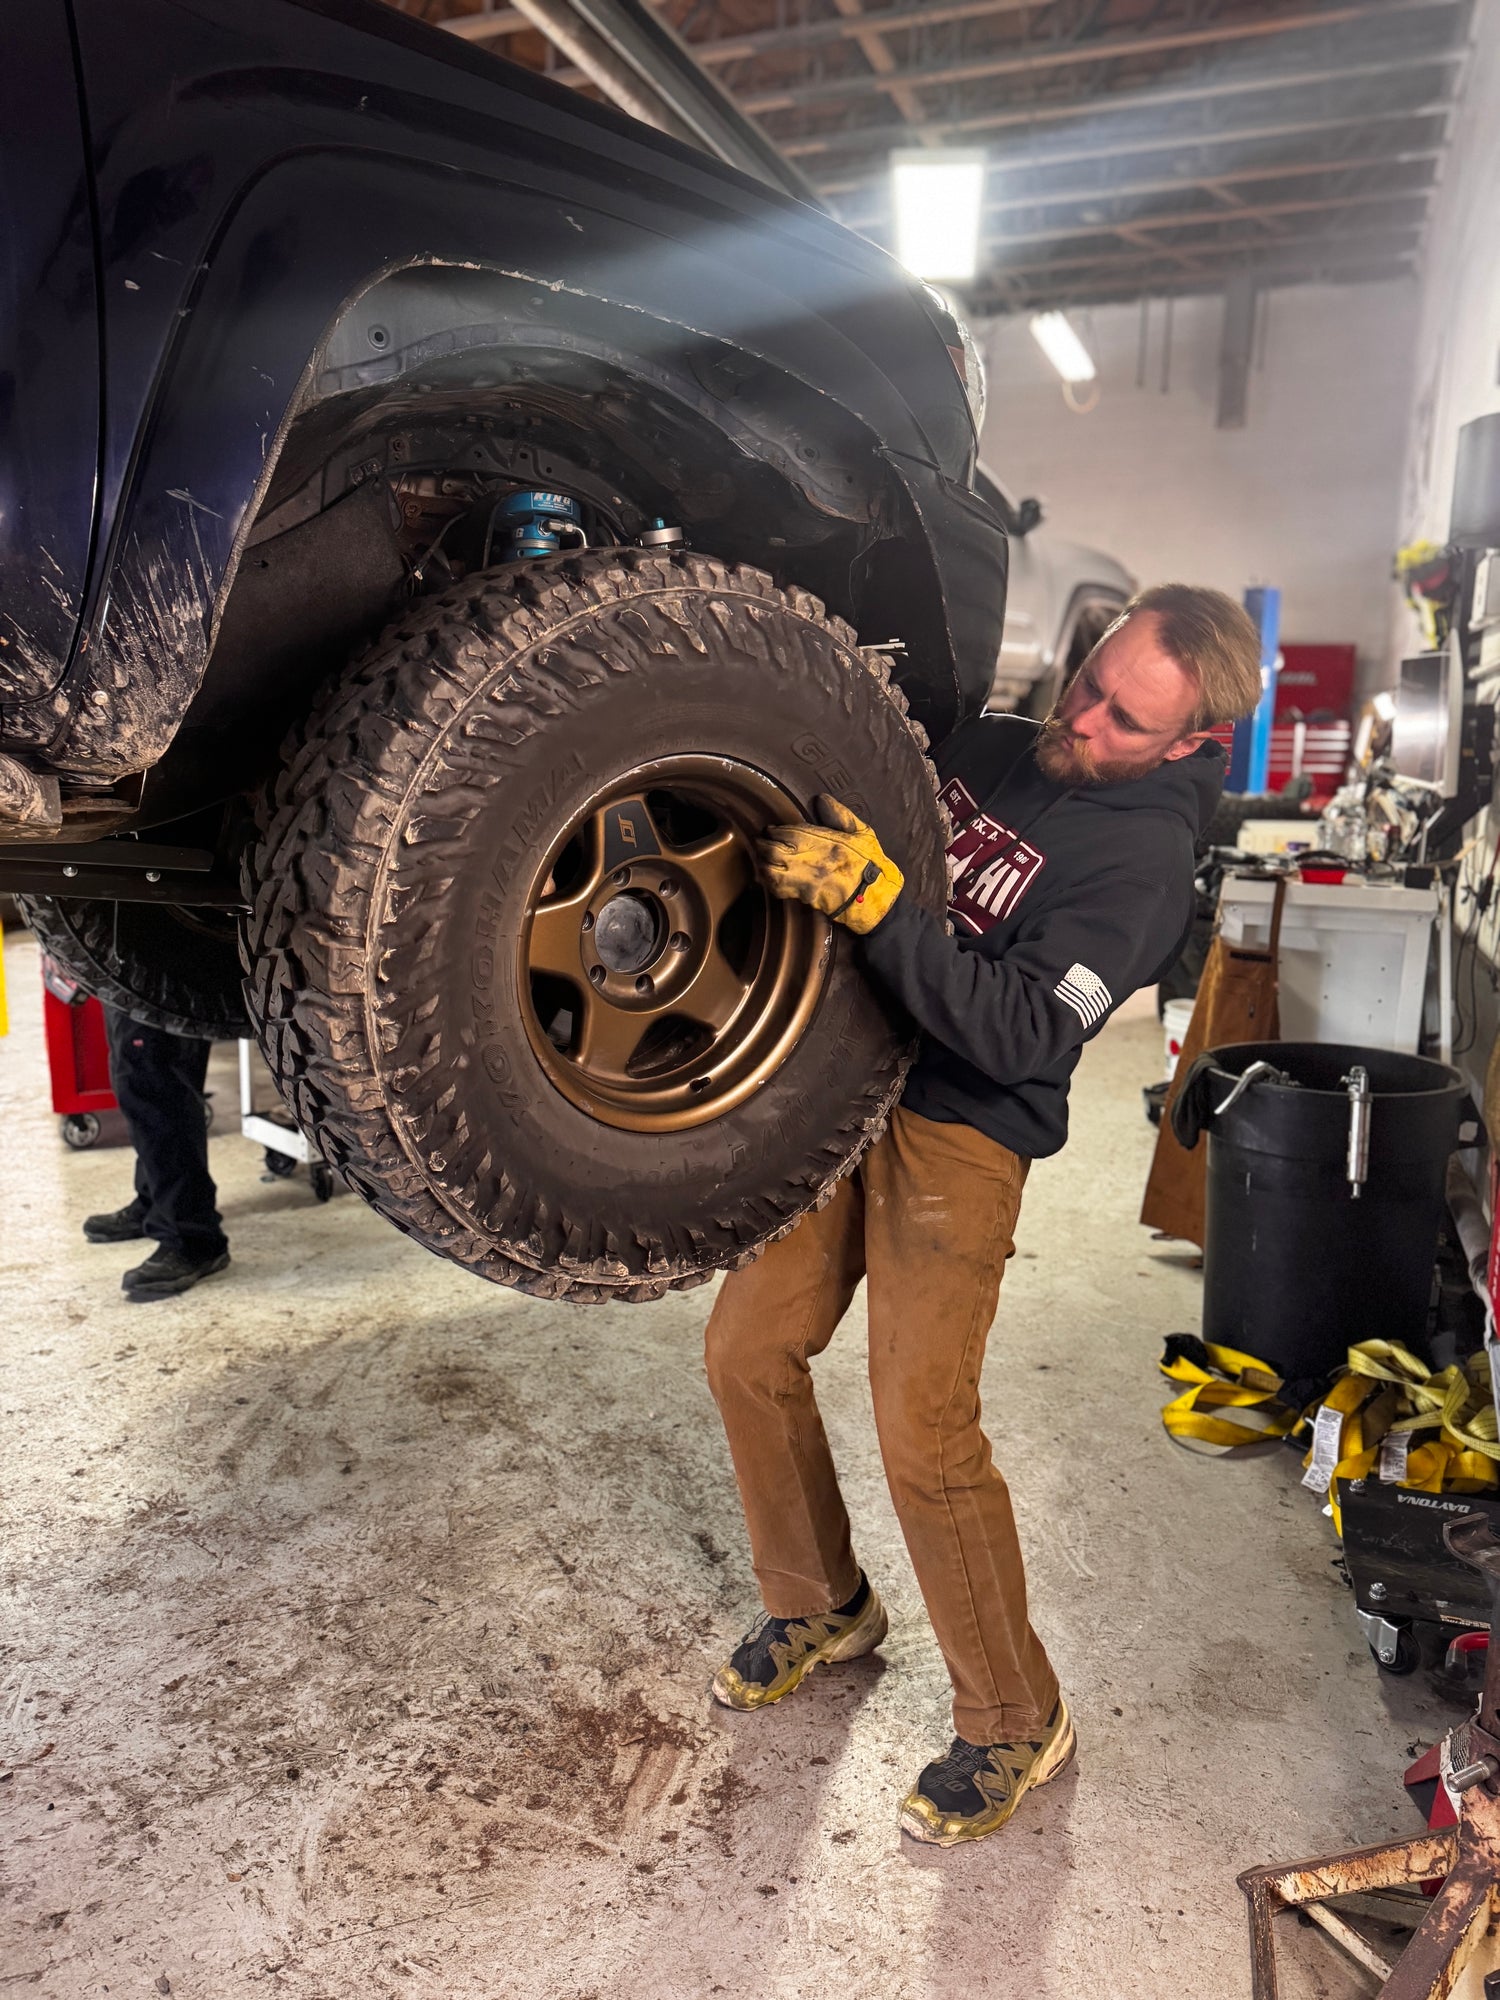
(1086, 993)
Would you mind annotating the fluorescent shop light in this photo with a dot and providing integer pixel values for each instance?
(1055, 335)
(937, 195)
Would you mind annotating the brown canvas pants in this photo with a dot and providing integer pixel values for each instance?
(929, 1219)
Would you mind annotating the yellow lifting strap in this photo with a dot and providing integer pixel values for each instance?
(1384, 1390)
(1230, 1381)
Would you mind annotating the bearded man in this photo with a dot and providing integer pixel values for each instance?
(1072, 885)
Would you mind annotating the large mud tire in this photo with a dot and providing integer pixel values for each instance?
(389, 893)
(169, 968)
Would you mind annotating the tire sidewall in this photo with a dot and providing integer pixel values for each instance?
(146, 960)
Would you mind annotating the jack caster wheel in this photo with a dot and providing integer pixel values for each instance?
(80, 1130)
(321, 1180)
(281, 1166)
(1408, 1655)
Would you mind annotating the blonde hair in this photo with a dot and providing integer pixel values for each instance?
(1210, 637)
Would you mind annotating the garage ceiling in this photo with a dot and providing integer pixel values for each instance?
(1136, 147)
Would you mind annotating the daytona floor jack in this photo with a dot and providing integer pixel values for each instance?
(1456, 1930)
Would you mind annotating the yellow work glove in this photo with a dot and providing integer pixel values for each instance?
(839, 867)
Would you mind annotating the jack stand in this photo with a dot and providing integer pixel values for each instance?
(1464, 1910)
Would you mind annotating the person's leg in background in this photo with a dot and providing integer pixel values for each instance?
(158, 1082)
(768, 1322)
(122, 1225)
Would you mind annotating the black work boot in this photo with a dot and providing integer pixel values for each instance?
(121, 1225)
(776, 1654)
(167, 1272)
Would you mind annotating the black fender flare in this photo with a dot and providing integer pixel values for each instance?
(304, 242)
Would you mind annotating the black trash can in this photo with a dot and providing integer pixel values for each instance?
(1295, 1267)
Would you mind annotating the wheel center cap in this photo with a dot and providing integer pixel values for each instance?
(629, 932)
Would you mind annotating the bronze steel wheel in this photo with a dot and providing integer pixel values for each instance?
(661, 984)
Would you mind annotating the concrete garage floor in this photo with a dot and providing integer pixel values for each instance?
(357, 1620)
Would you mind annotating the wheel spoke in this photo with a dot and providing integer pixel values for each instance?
(557, 921)
(555, 937)
(721, 868)
(607, 1036)
(716, 994)
(592, 834)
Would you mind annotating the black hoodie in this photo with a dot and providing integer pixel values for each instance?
(1050, 933)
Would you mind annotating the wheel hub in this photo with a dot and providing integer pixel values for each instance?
(629, 932)
(660, 983)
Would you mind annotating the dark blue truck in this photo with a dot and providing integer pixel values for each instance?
(441, 523)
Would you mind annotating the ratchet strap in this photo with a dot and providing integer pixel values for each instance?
(1221, 1378)
(1447, 1415)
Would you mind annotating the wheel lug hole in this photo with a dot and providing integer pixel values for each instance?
(699, 1084)
(620, 877)
(597, 975)
(588, 920)
(679, 941)
(645, 984)
(668, 887)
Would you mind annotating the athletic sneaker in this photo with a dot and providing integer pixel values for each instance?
(977, 1786)
(167, 1272)
(778, 1653)
(121, 1225)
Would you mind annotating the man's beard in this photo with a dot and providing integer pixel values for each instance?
(1067, 759)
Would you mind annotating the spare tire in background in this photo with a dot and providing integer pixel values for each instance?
(509, 959)
(166, 966)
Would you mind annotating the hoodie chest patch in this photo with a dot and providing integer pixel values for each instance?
(989, 869)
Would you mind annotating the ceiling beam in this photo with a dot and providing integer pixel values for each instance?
(873, 47)
(717, 49)
(487, 25)
(1179, 183)
(1196, 218)
(1374, 265)
(1023, 60)
(1039, 160)
(644, 67)
(1086, 109)
(1230, 256)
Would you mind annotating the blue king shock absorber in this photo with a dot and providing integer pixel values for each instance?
(535, 522)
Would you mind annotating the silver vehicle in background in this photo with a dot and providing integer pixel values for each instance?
(1060, 599)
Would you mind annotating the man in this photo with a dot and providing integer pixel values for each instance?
(1072, 885)
(158, 1082)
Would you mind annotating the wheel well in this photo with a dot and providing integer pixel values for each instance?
(437, 393)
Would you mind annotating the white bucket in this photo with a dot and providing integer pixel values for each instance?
(1175, 1018)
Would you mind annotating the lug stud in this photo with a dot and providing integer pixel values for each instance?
(679, 941)
(668, 887)
(621, 877)
(588, 920)
(645, 984)
(597, 975)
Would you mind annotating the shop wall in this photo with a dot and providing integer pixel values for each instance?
(1456, 378)
(1457, 360)
(1305, 496)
